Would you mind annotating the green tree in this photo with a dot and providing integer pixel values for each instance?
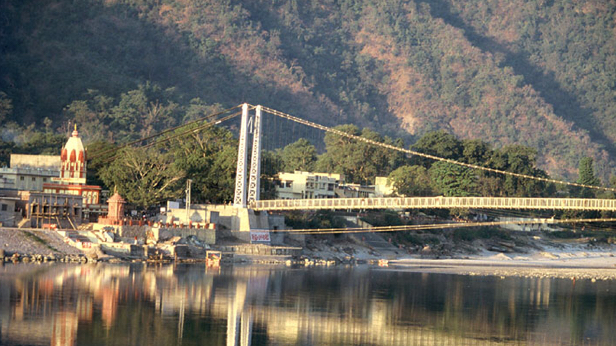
(99, 155)
(144, 177)
(411, 181)
(208, 157)
(475, 151)
(437, 143)
(143, 112)
(453, 180)
(92, 115)
(586, 176)
(519, 159)
(271, 165)
(41, 143)
(360, 162)
(301, 156)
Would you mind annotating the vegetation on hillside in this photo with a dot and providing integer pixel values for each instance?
(533, 73)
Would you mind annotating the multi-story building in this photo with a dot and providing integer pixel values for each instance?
(29, 172)
(9, 212)
(303, 185)
(354, 191)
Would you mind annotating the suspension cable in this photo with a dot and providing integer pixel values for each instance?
(211, 116)
(433, 226)
(428, 156)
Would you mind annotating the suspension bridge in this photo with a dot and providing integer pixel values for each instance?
(247, 195)
(248, 172)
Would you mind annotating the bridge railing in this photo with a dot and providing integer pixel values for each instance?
(439, 202)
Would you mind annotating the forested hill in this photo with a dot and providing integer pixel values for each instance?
(534, 72)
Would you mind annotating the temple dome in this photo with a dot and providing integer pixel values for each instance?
(74, 144)
(73, 159)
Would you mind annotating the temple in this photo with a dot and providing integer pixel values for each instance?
(67, 199)
(73, 171)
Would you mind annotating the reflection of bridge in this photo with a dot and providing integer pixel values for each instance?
(252, 190)
(437, 202)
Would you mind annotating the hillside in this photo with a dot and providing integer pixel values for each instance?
(538, 73)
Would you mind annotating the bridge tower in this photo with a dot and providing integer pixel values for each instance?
(254, 181)
(239, 200)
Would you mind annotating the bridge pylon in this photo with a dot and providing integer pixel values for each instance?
(254, 180)
(239, 199)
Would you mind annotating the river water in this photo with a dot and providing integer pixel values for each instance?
(188, 304)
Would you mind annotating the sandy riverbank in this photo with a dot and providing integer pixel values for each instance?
(573, 262)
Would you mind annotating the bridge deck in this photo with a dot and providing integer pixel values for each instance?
(438, 203)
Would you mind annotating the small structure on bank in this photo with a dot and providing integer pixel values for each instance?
(115, 214)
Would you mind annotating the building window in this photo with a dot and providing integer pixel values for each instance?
(21, 178)
(33, 178)
(4, 207)
(44, 179)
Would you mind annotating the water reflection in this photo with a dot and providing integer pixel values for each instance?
(255, 305)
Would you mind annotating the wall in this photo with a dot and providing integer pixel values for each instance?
(49, 162)
(207, 236)
(201, 216)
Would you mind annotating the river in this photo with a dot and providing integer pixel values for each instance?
(188, 304)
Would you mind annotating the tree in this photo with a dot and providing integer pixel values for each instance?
(437, 143)
(586, 176)
(271, 165)
(99, 155)
(6, 107)
(300, 156)
(475, 151)
(92, 115)
(360, 162)
(520, 159)
(208, 157)
(453, 180)
(144, 177)
(411, 181)
(143, 112)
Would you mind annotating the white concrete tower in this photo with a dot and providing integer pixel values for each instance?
(239, 199)
(254, 181)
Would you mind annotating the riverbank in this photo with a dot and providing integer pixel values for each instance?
(527, 256)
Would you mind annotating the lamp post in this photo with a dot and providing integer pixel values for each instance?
(188, 183)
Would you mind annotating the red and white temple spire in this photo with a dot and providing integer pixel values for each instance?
(73, 157)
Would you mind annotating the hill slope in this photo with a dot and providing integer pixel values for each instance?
(539, 73)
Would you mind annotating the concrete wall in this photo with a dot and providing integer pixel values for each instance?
(207, 236)
(50, 162)
(8, 216)
(200, 216)
(123, 249)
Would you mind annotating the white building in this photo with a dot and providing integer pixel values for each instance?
(383, 187)
(304, 185)
(29, 172)
(354, 191)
